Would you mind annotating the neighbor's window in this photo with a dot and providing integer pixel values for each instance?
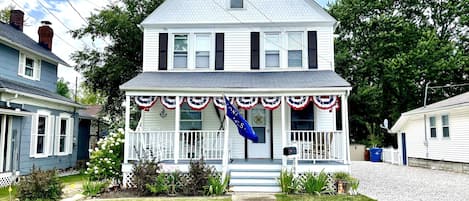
(236, 4)
(41, 135)
(272, 50)
(445, 125)
(295, 47)
(190, 119)
(63, 135)
(202, 52)
(29, 67)
(432, 127)
(180, 51)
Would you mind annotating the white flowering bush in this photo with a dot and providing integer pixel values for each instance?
(106, 159)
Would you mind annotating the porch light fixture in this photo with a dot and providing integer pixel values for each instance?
(163, 113)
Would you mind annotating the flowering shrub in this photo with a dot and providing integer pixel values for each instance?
(106, 159)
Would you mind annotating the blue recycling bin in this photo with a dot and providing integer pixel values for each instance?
(375, 154)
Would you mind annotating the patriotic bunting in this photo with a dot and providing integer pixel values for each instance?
(169, 102)
(247, 102)
(219, 102)
(326, 102)
(297, 102)
(271, 103)
(198, 103)
(145, 102)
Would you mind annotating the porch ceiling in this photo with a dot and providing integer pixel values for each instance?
(149, 81)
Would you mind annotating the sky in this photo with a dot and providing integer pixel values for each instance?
(65, 15)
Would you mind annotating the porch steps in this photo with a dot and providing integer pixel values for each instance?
(255, 178)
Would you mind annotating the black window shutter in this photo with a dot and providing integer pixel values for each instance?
(312, 50)
(255, 46)
(219, 51)
(163, 52)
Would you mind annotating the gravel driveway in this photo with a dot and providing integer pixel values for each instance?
(390, 182)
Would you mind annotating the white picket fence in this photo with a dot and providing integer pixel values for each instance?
(391, 155)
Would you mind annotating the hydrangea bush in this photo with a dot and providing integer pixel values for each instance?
(106, 159)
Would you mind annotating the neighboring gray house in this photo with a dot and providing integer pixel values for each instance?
(38, 127)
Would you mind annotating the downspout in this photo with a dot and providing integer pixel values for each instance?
(10, 99)
(425, 120)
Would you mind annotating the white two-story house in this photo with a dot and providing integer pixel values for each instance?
(274, 59)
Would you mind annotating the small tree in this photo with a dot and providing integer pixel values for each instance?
(62, 88)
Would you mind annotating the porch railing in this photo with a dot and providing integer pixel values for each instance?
(161, 145)
(317, 145)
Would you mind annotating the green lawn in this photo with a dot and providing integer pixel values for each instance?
(4, 194)
(283, 197)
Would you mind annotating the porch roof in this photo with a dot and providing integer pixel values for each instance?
(236, 80)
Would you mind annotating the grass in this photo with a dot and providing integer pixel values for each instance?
(174, 199)
(5, 196)
(283, 197)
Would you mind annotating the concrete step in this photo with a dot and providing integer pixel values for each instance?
(253, 182)
(252, 174)
(255, 168)
(269, 189)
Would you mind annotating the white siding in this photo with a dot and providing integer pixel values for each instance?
(324, 120)
(150, 50)
(453, 148)
(325, 48)
(277, 133)
(237, 51)
(152, 121)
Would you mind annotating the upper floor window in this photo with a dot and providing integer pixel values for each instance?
(445, 125)
(202, 50)
(432, 127)
(180, 51)
(295, 49)
(29, 67)
(236, 4)
(272, 50)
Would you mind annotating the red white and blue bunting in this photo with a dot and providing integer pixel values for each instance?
(271, 103)
(145, 102)
(298, 102)
(247, 102)
(169, 102)
(198, 103)
(326, 102)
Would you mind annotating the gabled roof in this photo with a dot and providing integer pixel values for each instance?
(31, 91)
(235, 80)
(17, 38)
(174, 12)
(461, 100)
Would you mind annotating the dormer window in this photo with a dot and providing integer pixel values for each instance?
(236, 4)
(29, 67)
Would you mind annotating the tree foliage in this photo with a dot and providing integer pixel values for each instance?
(5, 14)
(389, 50)
(105, 70)
(62, 88)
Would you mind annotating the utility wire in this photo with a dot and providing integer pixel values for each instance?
(452, 85)
(79, 14)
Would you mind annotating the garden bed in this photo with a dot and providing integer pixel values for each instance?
(284, 197)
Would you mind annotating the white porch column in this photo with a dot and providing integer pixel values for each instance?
(345, 128)
(226, 154)
(127, 129)
(177, 117)
(284, 130)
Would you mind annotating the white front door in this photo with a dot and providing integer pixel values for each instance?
(259, 119)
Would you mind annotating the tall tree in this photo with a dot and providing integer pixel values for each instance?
(390, 49)
(5, 14)
(121, 60)
(62, 88)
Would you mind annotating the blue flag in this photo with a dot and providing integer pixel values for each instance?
(244, 128)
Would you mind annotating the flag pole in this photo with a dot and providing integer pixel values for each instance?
(225, 143)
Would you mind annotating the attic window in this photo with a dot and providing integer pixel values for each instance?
(236, 4)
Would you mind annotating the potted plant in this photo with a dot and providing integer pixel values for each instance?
(342, 182)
